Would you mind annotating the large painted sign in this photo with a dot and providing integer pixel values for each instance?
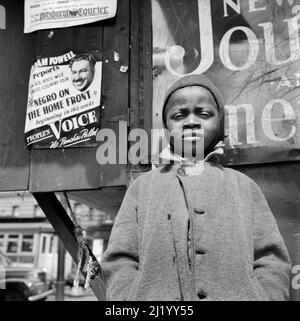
(251, 50)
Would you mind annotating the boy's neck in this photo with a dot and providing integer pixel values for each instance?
(218, 149)
(193, 159)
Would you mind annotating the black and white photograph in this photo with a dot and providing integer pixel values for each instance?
(150, 153)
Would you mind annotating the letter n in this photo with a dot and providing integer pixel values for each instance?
(233, 125)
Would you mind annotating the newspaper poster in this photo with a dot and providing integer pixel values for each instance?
(40, 14)
(63, 107)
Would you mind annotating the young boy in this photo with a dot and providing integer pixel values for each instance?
(193, 230)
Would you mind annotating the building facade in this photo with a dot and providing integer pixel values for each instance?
(28, 239)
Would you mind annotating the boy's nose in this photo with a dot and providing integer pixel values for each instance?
(192, 121)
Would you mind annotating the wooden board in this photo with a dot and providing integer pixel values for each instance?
(75, 167)
(107, 200)
(78, 169)
(281, 185)
(115, 85)
(17, 53)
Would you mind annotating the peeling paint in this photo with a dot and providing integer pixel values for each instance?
(116, 56)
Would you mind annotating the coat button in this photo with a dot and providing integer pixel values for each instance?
(181, 171)
(200, 252)
(201, 295)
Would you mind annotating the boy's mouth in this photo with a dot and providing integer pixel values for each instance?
(192, 135)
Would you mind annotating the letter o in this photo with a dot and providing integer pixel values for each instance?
(67, 125)
(224, 48)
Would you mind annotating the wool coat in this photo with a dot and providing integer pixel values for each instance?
(236, 250)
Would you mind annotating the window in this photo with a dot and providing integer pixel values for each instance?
(12, 243)
(27, 243)
(19, 248)
(52, 243)
(44, 244)
(1, 242)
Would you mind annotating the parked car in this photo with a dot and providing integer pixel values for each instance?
(22, 283)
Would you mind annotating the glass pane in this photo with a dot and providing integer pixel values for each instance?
(28, 237)
(26, 259)
(27, 243)
(12, 247)
(44, 244)
(13, 258)
(51, 249)
(1, 242)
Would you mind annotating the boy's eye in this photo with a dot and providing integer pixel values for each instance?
(177, 116)
(205, 115)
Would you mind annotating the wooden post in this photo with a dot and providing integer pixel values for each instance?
(60, 282)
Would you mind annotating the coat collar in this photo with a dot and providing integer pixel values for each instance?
(192, 166)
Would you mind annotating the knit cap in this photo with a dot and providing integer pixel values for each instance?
(202, 81)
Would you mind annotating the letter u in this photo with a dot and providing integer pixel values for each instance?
(270, 45)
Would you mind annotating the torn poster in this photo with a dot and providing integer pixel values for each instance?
(39, 14)
(63, 107)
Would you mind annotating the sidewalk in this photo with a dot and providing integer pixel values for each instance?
(75, 295)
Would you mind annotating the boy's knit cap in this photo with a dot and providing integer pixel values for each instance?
(202, 81)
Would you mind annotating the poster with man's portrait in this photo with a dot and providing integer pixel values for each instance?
(63, 101)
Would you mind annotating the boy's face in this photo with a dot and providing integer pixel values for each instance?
(192, 119)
